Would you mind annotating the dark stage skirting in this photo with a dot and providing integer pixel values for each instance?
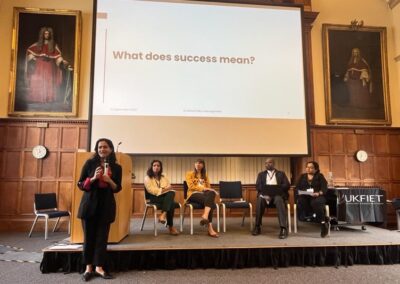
(236, 249)
(227, 258)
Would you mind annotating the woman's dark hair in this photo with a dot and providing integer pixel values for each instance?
(112, 159)
(316, 166)
(150, 172)
(203, 170)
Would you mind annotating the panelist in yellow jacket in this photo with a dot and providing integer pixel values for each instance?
(200, 191)
(161, 193)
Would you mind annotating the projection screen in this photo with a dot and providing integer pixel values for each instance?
(190, 77)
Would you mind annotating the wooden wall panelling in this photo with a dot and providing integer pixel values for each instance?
(394, 144)
(321, 143)
(32, 137)
(336, 143)
(382, 168)
(28, 190)
(69, 138)
(30, 166)
(66, 165)
(9, 197)
(365, 143)
(64, 196)
(49, 165)
(395, 168)
(22, 176)
(51, 137)
(15, 137)
(350, 141)
(381, 144)
(352, 171)
(12, 164)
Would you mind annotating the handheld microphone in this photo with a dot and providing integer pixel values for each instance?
(105, 167)
(118, 145)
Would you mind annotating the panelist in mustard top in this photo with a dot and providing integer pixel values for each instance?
(311, 189)
(100, 179)
(160, 192)
(272, 187)
(200, 191)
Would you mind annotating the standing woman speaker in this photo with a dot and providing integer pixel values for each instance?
(100, 179)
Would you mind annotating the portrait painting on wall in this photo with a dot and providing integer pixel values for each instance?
(356, 75)
(45, 62)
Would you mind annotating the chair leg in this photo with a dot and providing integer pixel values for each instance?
(46, 226)
(183, 215)
(224, 216)
(251, 216)
(244, 216)
(289, 218)
(55, 225)
(33, 225)
(191, 219)
(327, 214)
(218, 219)
(144, 218)
(69, 224)
(155, 220)
(398, 219)
(295, 218)
(180, 218)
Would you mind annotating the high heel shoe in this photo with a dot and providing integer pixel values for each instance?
(103, 275)
(173, 232)
(213, 235)
(204, 222)
(87, 276)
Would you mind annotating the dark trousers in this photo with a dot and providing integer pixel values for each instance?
(309, 205)
(95, 234)
(206, 199)
(166, 203)
(280, 205)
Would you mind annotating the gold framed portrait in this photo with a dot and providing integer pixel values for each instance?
(45, 61)
(356, 75)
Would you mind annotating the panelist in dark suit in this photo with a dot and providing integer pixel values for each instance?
(272, 187)
(100, 179)
(316, 184)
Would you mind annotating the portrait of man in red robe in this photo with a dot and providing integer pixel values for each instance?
(44, 63)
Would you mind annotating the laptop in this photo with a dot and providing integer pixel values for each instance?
(271, 190)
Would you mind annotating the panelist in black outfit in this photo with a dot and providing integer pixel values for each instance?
(316, 184)
(100, 179)
(272, 187)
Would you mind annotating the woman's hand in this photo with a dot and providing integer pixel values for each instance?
(107, 179)
(97, 173)
(315, 194)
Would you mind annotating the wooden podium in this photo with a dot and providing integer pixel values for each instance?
(120, 228)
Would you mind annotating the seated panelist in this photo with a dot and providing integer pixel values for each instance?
(200, 191)
(272, 187)
(314, 186)
(161, 193)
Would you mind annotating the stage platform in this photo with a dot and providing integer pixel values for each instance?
(236, 248)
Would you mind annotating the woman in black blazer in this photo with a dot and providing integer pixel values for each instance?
(100, 179)
(313, 181)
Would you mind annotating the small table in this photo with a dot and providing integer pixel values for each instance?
(359, 205)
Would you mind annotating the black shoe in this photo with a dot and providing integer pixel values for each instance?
(324, 229)
(87, 276)
(256, 231)
(104, 275)
(204, 222)
(283, 233)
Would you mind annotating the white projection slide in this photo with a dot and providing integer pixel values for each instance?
(197, 59)
(191, 77)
